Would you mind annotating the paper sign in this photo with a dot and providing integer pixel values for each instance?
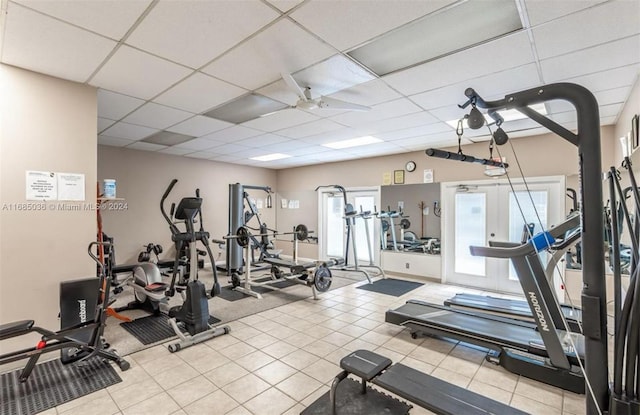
(70, 186)
(41, 185)
(386, 178)
(428, 176)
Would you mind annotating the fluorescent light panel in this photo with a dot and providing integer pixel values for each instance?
(271, 157)
(245, 108)
(439, 34)
(508, 115)
(354, 142)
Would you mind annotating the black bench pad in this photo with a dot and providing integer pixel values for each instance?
(15, 328)
(365, 364)
(437, 395)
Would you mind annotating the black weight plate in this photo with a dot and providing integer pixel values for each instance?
(385, 225)
(322, 278)
(405, 224)
(243, 236)
(302, 232)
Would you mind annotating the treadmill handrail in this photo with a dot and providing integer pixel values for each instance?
(497, 251)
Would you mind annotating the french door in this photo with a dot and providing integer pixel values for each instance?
(332, 239)
(478, 212)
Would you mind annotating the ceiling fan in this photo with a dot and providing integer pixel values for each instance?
(308, 103)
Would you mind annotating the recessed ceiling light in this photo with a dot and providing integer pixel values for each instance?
(245, 108)
(354, 142)
(271, 157)
(438, 34)
(509, 115)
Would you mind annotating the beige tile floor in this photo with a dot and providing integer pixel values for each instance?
(281, 360)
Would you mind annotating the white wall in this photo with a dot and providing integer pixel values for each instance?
(47, 124)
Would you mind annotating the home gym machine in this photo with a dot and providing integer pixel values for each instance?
(190, 321)
(351, 215)
(622, 398)
(315, 274)
(90, 328)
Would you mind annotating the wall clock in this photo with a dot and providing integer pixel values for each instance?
(410, 166)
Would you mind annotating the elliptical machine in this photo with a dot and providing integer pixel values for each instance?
(193, 314)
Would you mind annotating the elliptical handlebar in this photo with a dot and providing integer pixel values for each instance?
(172, 226)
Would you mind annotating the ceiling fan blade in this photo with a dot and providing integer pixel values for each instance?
(336, 104)
(293, 85)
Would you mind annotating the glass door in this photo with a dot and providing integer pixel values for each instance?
(333, 236)
(476, 214)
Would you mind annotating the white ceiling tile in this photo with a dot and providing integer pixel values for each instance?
(235, 133)
(564, 117)
(396, 123)
(310, 128)
(199, 93)
(46, 45)
(532, 131)
(540, 11)
(470, 63)
(104, 123)
(140, 145)
(331, 136)
(557, 106)
(263, 140)
(598, 58)
(449, 113)
(285, 5)
(308, 150)
(378, 112)
(422, 130)
(377, 149)
(515, 79)
(568, 33)
(613, 96)
(288, 146)
(610, 110)
(115, 106)
(198, 144)
(608, 120)
(280, 119)
(139, 74)
(229, 149)
(156, 116)
(516, 125)
(113, 141)
(348, 23)
(369, 93)
(201, 155)
(194, 32)
(199, 126)
(176, 151)
(129, 131)
(289, 47)
(103, 17)
(607, 79)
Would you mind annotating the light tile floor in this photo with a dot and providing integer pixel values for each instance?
(281, 360)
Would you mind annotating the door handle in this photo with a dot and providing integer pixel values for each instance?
(493, 234)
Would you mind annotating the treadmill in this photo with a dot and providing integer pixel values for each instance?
(519, 309)
(536, 350)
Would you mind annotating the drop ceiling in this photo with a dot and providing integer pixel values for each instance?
(161, 65)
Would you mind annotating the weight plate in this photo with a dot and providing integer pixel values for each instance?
(322, 278)
(385, 225)
(242, 235)
(405, 224)
(302, 232)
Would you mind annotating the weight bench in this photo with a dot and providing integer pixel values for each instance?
(419, 388)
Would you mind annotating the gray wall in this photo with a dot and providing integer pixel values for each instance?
(412, 195)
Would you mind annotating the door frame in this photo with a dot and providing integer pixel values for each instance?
(374, 222)
(448, 191)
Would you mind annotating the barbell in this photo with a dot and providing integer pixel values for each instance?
(243, 235)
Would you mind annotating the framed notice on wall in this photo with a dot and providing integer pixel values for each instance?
(398, 177)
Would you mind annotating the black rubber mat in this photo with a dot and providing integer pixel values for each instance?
(52, 384)
(153, 329)
(229, 294)
(391, 286)
(350, 401)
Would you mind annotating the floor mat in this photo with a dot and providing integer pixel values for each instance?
(350, 401)
(153, 329)
(52, 383)
(229, 294)
(391, 286)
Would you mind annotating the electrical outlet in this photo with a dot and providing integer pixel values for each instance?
(406, 265)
